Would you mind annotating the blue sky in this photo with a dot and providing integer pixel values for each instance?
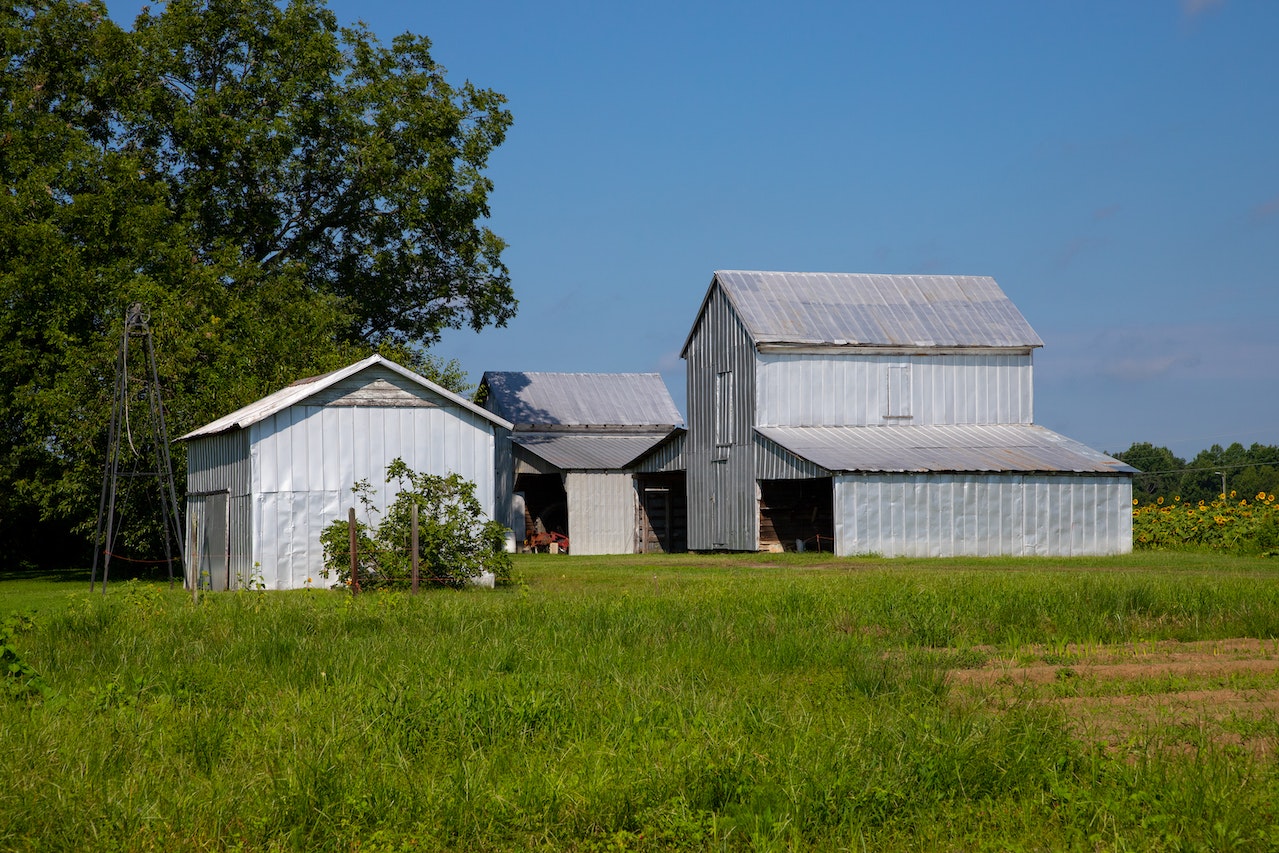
(1113, 165)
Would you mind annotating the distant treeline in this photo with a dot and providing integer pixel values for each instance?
(1248, 472)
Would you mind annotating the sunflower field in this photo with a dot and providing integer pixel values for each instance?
(1229, 523)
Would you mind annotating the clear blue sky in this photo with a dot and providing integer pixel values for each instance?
(1114, 166)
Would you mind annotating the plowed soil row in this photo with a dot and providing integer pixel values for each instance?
(1142, 696)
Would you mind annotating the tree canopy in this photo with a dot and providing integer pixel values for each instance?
(1248, 472)
(283, 194)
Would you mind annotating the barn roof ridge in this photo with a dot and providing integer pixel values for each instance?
(871, 309)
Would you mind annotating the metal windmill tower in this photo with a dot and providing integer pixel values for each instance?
(120, 436)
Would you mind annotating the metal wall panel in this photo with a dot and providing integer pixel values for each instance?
(219, 462)
(601, 512)
(774, 462)
(307, 458)
(504, 482)
(722, 513)
(845, 388)
(666, 458)
(946, 515)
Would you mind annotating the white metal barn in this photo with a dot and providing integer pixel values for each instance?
(885, 414)
(263, 481)
(575, 440)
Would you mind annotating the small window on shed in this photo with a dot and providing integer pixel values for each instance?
(897, 392)
(723, 413)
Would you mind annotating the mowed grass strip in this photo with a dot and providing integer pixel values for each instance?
(682, 702)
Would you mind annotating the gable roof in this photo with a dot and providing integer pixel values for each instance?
(854, 309)
(949, 448)
(303, 389)
(638, 400)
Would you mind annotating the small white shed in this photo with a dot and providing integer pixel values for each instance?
(264, 481)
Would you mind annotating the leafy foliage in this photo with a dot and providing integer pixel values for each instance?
(17, 677)
(456, 542)
(283, 195)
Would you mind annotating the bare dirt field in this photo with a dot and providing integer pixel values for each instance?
(1132, 698)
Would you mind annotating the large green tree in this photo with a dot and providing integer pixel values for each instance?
(282, 194)
(1160, 469)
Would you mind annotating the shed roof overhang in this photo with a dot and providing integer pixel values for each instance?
(580, 451)
(964, 448)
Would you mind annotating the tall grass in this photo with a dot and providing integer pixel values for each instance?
(679, 703)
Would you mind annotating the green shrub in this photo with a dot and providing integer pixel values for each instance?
(456, 541)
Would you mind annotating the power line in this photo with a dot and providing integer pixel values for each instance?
(1213, 468)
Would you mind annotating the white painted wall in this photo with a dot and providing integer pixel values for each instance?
(945, 515)
(601, 512)
(850, 389)
(307, 458)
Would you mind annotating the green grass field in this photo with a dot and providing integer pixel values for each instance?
(628, 703)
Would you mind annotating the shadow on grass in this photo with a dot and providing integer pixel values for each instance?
(80, 574)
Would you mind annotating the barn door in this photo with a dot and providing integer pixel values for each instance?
(209, 544)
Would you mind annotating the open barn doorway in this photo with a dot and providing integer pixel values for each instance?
(797, 515)
(545, 505)
(662, 524)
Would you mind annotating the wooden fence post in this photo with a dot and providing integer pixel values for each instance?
(355, 557)
(413, 547)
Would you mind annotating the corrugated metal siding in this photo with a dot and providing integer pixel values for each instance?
(601, 512)
(666, 458)
(238, 542)
(722, 511)
(219, 462)
(774, 462)
(879, 310)
(946, 515)
(240, 528)
(306, 458)
(581, 399)
(504, 481)
(843, 388)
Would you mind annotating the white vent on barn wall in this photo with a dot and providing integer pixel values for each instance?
(897, 392)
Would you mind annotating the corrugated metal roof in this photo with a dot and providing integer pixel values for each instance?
(581, 399)
(299, 391)
(852, 309)
(576, 451)
(1001, 447)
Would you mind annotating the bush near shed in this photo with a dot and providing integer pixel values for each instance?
(1230, 523)
(456, 541)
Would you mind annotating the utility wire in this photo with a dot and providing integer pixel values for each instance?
(1212, 468)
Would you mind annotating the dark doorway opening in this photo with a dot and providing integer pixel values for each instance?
(663, 514)
(794, 511)
(545, 503)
